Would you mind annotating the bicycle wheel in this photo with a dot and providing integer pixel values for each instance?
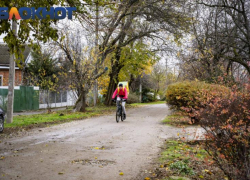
(118, 115)
(122, 115)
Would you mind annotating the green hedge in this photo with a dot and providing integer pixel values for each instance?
(193, 94)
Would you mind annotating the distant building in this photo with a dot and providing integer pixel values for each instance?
(4, 66)
(61, 98)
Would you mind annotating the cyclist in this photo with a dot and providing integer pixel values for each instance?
(122, 94)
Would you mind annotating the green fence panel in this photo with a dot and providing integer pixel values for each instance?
(17, 106)
(3, 92)
(31, 90)
(28, 98)
(25, 98)
(22, 98)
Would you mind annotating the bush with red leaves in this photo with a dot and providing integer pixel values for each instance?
(227, 125)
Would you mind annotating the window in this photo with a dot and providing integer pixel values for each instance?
(1, 80)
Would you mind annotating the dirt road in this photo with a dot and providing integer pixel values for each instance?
(96, 148)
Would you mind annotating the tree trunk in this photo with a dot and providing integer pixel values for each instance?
(80, 105)
(116, 68)
(11, 81)
(112, 85)
(95, 90)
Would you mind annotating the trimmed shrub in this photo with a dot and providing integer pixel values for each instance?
(191, 96)
(227, 125)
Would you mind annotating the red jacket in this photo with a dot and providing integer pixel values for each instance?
(122, 93)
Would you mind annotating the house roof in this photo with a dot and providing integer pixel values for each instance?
(5, 54)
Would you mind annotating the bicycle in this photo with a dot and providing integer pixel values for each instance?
(119, 112)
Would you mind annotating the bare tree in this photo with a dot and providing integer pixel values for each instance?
(158, 77)
(220, 42)
(79, 63)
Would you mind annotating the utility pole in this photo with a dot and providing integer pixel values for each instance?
(11, 80)
(167, 71)
(140, 90)
(95, 91)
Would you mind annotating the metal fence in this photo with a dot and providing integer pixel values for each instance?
(30, 98)
(56, 99)
(25, 98)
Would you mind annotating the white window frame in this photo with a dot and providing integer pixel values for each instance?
(1, 84)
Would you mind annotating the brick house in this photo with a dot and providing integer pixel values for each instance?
(4, 66)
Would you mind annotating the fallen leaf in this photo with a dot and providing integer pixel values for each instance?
(208, 172)
(147, 178)
(161, 166)
(121, 173)
(2, 157)
(61, 173)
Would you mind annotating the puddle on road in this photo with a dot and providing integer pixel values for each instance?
(93, 162)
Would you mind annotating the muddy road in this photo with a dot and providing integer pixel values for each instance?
(96, 148)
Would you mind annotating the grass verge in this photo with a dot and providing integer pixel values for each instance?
(181, 160)
(185, 160)
(177, 119)
(57, 116)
